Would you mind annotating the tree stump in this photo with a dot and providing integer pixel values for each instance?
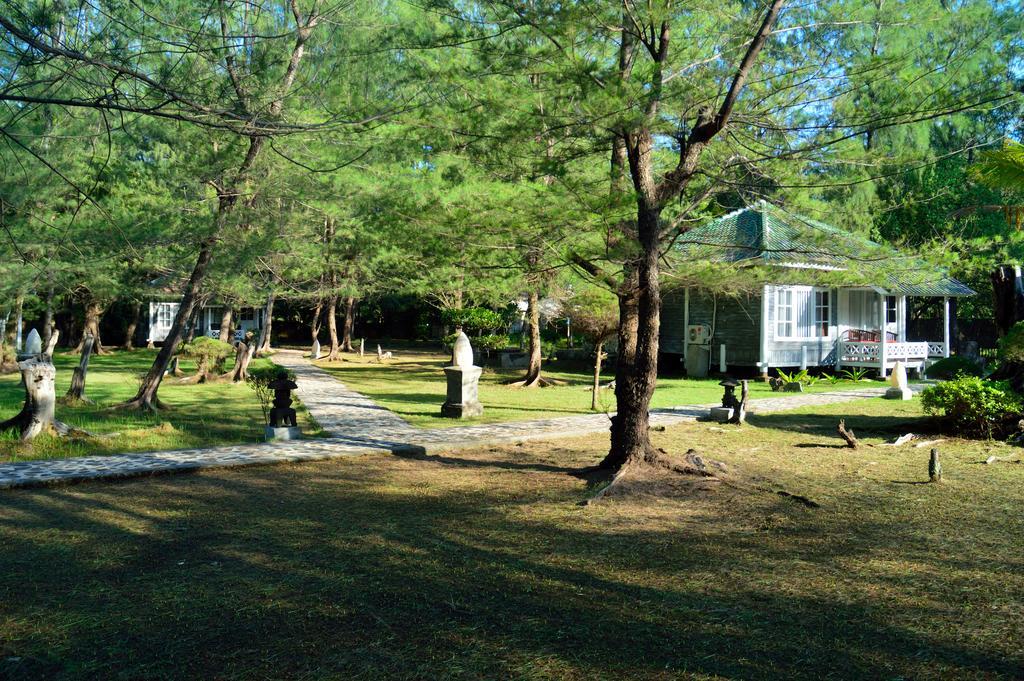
(37, 414)
(851, 439)
(934, 467)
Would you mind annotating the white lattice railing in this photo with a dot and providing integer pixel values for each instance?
(863, 352)
(936, 349)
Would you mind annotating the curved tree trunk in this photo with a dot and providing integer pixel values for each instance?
(263, 344)
(225, 324)
(133, 325)
(76, 393)
(533, 377)
(48, 317)
(332, 329)
(146, 397)
(348, 324)
(243, 355)
(93, 313)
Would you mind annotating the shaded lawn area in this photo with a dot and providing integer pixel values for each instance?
(200, 415)
(413, 386)
(480, 564)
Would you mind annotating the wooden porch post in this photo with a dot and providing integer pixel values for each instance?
(945, 326)
(765, 326)
(686, 324)
(882, 369)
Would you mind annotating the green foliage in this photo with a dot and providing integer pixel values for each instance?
(494, 341)
(793, 377)
(1011, 346)
(473, 319)
(832, 379)
(260, 378)
(972, 406)
(206, 351)
(953, 366)
(855, 374)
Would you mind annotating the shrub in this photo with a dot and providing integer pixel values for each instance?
(259, 380)
(473, 319)
(1011, 346)
(495, 341)
(208, 352)
(972, 406)
(951, 367)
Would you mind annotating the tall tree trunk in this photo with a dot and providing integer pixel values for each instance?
(314, 327)
(1008, 292)
(243, 355)
(598, 356)
(225, 324)
(48, 317)
(146, 397)
(347, 325)
(91, 327)
(263, 344)
(133, 325)
(19, 308)
(332, 328)
(534, 348)
(76, 393)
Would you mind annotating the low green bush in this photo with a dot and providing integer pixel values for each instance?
(972, 406)
(1011, 346)
(951, 367)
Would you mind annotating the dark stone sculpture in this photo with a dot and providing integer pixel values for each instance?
(282, 415)
(729, 399)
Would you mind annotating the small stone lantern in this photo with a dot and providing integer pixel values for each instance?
(463, 382)
(282, 417)
(729, 401)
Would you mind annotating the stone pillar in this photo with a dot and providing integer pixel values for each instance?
(463, 382)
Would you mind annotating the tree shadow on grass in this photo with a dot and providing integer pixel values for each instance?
(345, 570)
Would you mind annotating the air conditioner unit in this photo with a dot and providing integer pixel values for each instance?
(699, 334)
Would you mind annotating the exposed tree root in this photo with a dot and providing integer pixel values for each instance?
(71, 401)
(536, 382)
(139, 404)
(692, 465)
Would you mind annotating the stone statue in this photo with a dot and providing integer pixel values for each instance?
(33, 344)
(282, 424)
(463, 382)
(900, 389)
(462, 352)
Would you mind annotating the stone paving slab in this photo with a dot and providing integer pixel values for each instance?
(357, 425)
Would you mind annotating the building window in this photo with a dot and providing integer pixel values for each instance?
(784, 313)
(215, 315)
(822, 313)
(891, 316)
(164, 315)
(247, 314)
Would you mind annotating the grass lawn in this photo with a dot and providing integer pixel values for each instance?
(480, 564)
(200, 415)
(413, 386)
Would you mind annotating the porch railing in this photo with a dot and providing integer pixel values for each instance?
(868, 352)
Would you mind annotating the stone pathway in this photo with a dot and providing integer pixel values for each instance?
(357, 425)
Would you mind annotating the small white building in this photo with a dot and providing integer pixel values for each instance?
(788, 323)
(162, 314)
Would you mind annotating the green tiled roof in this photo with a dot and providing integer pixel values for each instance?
(767, 235)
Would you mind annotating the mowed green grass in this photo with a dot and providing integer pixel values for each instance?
(413, 386)
(481, 564)
(199, 415)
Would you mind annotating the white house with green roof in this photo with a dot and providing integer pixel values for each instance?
(821, 297)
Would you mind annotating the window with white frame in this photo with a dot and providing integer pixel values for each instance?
(247, 315)
(802, 312)
(822, 312)
(891, 314)
(164, 314)
(784, 313)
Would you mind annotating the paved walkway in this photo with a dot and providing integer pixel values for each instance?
(355, 424)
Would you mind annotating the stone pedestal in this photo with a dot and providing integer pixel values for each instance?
(899, 394)
(900, 389)
(463, 388)
(285, 433)
(721, 414)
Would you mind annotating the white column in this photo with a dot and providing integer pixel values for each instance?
(881, 337)
(686, 323)
(17, 332)
(765, 328)
(945, 327)
(901, 319)
(803, 357)
(721, 358)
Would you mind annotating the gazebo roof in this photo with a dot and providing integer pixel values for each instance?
(767, 235)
